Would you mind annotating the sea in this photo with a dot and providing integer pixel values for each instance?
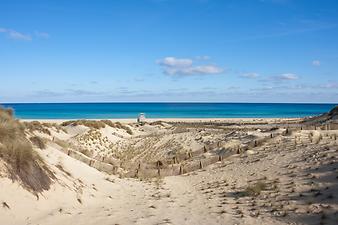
(164, 110)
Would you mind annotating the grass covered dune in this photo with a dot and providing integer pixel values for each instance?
(18, 159)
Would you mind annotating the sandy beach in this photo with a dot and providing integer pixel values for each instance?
(178, 171)
(133, 120)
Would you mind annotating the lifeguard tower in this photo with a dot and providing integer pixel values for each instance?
(141, 118)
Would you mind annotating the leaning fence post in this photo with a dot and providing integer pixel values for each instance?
(201, 165)
(181, 170)
(205, 149)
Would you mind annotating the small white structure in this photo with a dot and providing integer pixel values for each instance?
(141, 118)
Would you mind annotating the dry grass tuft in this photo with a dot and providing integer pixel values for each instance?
(38, 142)
(98, 124)
(22, 162)
(37, 126)
(87, 123)
(118, 125)
(255, 189)
(60, 167)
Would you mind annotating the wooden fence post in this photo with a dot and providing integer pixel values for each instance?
(205, 149)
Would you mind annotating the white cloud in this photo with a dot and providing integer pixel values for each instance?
(44, 35)
(316, 62)
(174, 62)
(250, 75)
(287, 76)
(331, 85)
(184, 66)
(12, 34)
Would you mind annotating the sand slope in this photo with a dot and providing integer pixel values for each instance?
(299, 172)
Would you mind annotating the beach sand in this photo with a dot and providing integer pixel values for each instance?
(250, 171)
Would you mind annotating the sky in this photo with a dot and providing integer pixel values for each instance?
(169, 51)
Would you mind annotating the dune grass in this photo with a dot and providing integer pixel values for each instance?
(22, 162)
(255, 189)
(38, 142)
(98, 124)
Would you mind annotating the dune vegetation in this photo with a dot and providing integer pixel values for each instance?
(21, 161)
(98, 124)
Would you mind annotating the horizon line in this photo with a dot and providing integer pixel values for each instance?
(182, 102)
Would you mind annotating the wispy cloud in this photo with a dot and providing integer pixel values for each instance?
(15, 35)
(316, 62)
(184, 66)
(67, 92)
(330, 85)
(286, 76)
(250, 75)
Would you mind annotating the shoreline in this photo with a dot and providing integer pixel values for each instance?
(134, 120)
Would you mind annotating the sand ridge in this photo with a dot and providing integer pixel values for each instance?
(253, 172)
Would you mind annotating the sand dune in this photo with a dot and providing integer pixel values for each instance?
(193, 172)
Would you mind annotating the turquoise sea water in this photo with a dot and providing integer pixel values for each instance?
(164, 110)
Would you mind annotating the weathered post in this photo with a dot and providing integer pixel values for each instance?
(205, 149)
(189, 155)
(201, 165)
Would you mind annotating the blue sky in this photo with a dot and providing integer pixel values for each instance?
(169, 50)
